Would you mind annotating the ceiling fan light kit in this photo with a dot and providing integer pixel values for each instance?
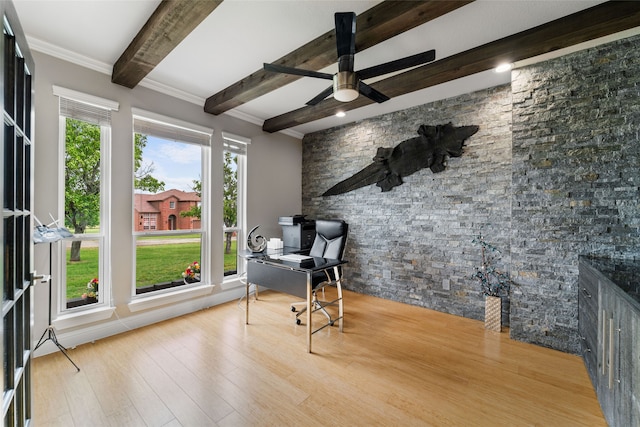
(345, 86)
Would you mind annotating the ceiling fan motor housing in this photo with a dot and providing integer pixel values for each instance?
(345, 86)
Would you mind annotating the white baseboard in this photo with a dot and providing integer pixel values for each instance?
(118, 325)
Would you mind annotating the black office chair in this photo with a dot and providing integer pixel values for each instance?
(330, 242)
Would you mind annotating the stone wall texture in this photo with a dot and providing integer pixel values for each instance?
(414, 243)
(553, 172)
(576, 175)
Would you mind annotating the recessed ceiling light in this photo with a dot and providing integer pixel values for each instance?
(504, 68)
(341, 114)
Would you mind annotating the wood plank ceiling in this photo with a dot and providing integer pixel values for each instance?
(172, 22)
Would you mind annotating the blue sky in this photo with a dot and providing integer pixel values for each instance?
(175, 163)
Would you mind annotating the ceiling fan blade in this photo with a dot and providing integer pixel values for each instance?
(321, 96)
(345, 63)
(345, 33)
(297, 71)
(397, 65)
(371, 93)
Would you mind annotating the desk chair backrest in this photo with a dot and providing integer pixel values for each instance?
(330, 240)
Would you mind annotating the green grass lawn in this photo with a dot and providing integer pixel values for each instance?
(155, 264)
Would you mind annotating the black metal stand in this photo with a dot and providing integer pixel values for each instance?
(50, 333)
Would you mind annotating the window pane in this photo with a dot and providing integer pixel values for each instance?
(167, 197)
(167, 261)
(82, 177)
(167, 185)
(82, 204)
(82, 274)
(230, 253)
(230, 212)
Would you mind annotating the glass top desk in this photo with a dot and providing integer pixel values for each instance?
(274, 271)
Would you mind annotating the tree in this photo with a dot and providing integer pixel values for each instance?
(82, 177)
(194, 211)
(230, 201)
(230, 206)
(143, 180)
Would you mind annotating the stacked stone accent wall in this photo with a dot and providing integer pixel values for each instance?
(413, 244)
(553, 173)
(576, 176)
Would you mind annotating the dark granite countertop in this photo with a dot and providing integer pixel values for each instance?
(624, 273)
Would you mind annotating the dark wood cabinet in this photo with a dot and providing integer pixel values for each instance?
(15, 184)
(588, 319)
(633, 355)
(609, 386)
(617, 348)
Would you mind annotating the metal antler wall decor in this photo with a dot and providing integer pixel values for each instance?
(390, 165)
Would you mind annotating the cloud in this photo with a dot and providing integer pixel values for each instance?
(180, 153)
(175, 163)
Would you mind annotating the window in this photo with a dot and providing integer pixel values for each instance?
(235, 166)
(85, 135)
(170, 203)
(16, 162)
(149, 221)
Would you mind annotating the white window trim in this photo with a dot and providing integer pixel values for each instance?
(105, 216)
(104, 272)
(157, 299)
(241, 149)
(73, 319)
(135, 297)
(97, 101)
(93, 312)
(227, 136)
(149, 116)
(171, 295)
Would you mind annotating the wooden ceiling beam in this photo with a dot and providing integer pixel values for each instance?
(598, 21)
(381, 22)
(169, 24)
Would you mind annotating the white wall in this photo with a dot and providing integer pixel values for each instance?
(274, 189)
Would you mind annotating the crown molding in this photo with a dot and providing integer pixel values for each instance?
(102, 67)
(171, 91)
(67, 55)
(293, 133)
(257, 121)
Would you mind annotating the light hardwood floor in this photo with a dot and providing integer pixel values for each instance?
(394, 365)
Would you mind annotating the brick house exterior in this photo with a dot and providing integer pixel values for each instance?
(162, 211)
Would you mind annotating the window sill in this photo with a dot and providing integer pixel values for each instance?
(153, 301)
(71, 320)
(234, 283)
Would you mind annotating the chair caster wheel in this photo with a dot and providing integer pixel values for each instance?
(298, 322)
(293, 309)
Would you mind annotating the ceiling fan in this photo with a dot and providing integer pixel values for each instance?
(347, 83)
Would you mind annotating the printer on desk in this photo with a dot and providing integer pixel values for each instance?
(297, 231)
